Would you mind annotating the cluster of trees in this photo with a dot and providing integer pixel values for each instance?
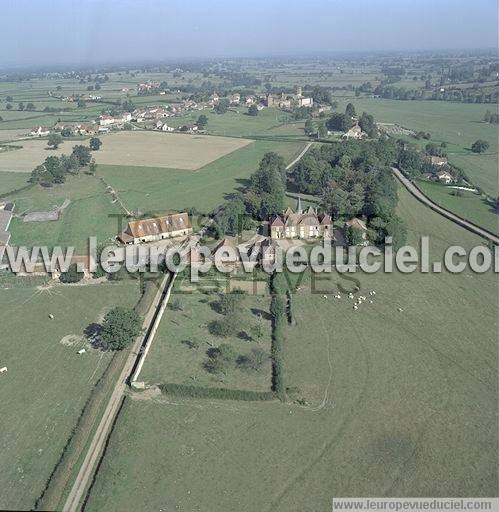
(422, 135)
(230, 306)
(253, 110)
(458, 94)
(342, 122)
(29, 106)
(222, 358)
(266, 192)
(300, 113)
(368, 125)
(202, 122)
(264, 197)
(435, 150)
(355, 179)
(222, 106)
(231, 218)
(322, 95)
(414, 163)
(316, 128)
(55, 169)
(480, 146)
(491, 118)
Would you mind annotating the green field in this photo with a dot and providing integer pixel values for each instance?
(148, 189)
(269, 122)
(394, 403)
(10, 181)
(91, 210)
(457, 124)
(170, 360)
(469, 205)
(47, 383)
(88, 214)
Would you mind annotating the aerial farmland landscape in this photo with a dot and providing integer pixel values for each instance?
(249, 256)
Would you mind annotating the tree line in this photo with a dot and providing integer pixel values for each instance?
(55, 169)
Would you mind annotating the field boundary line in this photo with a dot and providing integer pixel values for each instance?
(300, 156)
(153, 327)
(423, 198)
(114, 194)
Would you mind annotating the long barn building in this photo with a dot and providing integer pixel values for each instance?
(157, 228)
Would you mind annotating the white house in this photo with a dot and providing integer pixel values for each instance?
(354, 133)
(445, 176)
(107, 120)
(167, 128)
(40, 131)
(305, 102)
(235, 98)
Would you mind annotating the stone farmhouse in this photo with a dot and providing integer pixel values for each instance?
(146, 114)
(77, 128)
(157, 228)
(300, 224)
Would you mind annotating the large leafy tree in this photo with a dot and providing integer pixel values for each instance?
(54, 140)
(479, 146)
(120, 327)
(83, 154)
(95, 143)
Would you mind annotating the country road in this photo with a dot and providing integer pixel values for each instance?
(446, 213)
(104, 428)
(300, 156)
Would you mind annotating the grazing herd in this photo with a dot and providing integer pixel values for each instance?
(359, 300)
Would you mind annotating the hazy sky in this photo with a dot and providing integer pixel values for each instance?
(85, 31)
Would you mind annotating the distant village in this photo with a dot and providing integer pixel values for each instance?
(155, 117)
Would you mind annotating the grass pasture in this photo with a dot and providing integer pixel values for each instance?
(394, 404)
(158, 189)
(236, 122)
(469, 205)
(88, 214)
(10, 181)
(172, 361)
(47, 383)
